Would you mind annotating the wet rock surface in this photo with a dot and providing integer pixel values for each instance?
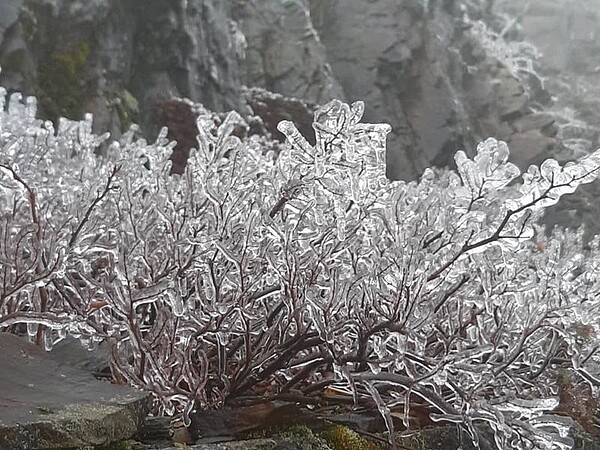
(70, 351)
(46, 404)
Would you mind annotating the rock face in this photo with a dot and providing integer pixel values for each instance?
(565, 33)
(9, 14)
(116, 58)
(423, 67)
(45, 404)
(415, 64)
(379, 51)
(423, 70)
(285, 54)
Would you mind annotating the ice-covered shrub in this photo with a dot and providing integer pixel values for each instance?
(252, 277)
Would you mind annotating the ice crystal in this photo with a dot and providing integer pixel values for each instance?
(249, 277)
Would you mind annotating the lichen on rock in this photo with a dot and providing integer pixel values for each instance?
(61, 88)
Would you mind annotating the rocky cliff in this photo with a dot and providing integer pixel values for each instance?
(418, 65)
(120, 59)
(421, 67)
(565, 36)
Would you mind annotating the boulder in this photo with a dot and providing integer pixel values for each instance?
(46, 404)
(536, 121)
(530, 147)
(70, 351)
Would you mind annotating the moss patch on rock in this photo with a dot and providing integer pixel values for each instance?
(126, 107)
(335, 437)
(300, 438)
(61, 87)
(340, 437)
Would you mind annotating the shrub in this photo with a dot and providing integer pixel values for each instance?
(251, 277)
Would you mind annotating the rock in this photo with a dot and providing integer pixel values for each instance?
(228, 422)
(414, 63)
(285, 54)
(239, 421)
(9, 13)
(420, 68)
(146, 52)
(561, 30)
(364, 422)
(583, 440)
(45, 404)
(70, 351)
(449, 438)
(273, 108)
(265, 111)
(377, 51)
(536, 121)
(411, 62)
(511, 97)
(439, 438)
(530, 147)
(180, 118)
(156, 429)
(581, 208)
(565, 33)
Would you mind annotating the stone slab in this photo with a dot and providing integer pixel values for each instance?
(46, 404)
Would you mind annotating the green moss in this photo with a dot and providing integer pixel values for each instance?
(126, 106)
(29, 21)
(61, 89)
(300, 438)
(340, 437)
